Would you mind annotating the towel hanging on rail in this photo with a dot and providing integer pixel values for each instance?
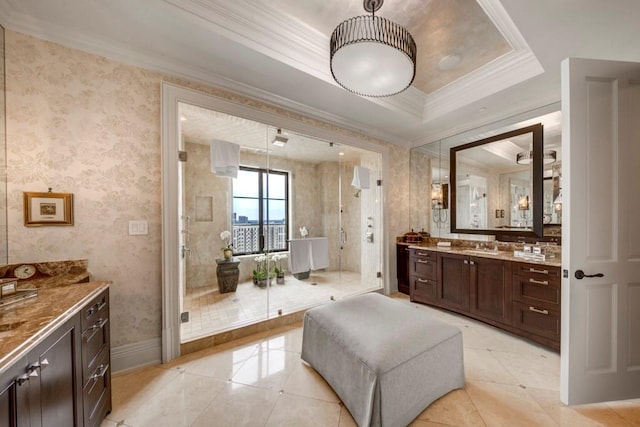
(360, 177)
(225, 158)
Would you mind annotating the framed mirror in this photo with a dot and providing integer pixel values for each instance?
(496, 184)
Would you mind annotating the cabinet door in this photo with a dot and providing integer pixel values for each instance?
(402, 260)
(453, 281)
(57, 382)
(490, 293)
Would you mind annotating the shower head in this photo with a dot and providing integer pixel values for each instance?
(357, 193)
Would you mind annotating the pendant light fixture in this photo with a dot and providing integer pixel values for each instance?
(372, 56)
(526, 157)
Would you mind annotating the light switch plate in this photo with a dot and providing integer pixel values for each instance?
(138, 228)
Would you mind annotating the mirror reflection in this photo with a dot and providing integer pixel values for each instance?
(497, 183)
(508, 212)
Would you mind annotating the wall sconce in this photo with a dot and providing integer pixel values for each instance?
(439, 203)
(436, 195)
(523, 203)
(557, 203)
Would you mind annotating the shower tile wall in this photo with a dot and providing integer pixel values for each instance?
(202, 187)
(308, 192)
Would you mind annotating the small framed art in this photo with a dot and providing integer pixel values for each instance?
(48, 209)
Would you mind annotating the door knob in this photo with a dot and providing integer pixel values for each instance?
(580, 275)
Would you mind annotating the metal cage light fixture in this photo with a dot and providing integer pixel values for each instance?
(372, 56)
(526, 157)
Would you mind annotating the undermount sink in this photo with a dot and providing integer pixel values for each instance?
(481, 251)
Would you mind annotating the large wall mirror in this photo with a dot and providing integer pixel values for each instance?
(502, 198)
(497, 183)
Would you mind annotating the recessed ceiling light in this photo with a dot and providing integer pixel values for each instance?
(183, 119)
(449, 62)
(341, 153)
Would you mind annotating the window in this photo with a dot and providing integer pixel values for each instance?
(260, 211)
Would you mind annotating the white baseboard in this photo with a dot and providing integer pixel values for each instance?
(129, 357)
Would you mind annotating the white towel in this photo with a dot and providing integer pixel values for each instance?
(360, 177)
(299, 256)
(319, 252)
(225, 158)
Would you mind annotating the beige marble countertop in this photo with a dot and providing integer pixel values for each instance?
(500, 254)
(24, 325)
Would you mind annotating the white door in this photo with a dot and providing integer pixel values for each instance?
(600, 349)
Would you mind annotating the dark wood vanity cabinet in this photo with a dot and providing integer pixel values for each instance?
(402, 263)
(520, 297)
(41, 388)
(423, 275)
(96, 371)
(536, 302)
(65, 379)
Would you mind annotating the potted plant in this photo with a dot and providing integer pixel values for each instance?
(262, 271)
(278, 269)
(226, 250)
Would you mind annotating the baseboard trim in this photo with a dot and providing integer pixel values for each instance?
(129, 357)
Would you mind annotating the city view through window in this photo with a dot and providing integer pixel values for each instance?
(260, 211)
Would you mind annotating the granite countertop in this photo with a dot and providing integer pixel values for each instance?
(500, 254)
(25, 324)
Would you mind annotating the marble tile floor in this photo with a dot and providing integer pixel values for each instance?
(261, 381)
(211, 312)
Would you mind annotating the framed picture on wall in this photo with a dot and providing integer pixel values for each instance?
(48, 209)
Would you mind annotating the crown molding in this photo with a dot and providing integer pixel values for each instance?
(126, 54)
(503, 72)
(512, 68)
(273, 32)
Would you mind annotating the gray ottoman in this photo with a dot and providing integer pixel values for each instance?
(386, 360)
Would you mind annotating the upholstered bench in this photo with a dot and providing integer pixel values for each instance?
(385, 359)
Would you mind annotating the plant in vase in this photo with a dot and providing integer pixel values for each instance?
(278, 269)
(262, 272)
(226, 250)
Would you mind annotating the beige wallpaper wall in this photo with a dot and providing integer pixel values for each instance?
(80, 123)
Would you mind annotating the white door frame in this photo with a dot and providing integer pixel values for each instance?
(239, 106)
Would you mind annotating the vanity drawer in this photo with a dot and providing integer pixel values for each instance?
(534, 290)
(423, 264)
(538, 272)
(95, 333)
(96, 309)
(540, 320)
(423, 290)
(96, 391)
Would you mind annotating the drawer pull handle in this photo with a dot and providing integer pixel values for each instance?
(423, 253)
(422, 261)
(422, 280)
(98, 325)
(22, 379)
(102, 369)
(533, 270)
(537, 310)
(101, 305)
(539, 282)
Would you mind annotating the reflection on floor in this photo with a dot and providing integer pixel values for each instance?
(261, 381)
(211, 312)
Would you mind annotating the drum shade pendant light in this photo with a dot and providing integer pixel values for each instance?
(526, 157)
(372, 56)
